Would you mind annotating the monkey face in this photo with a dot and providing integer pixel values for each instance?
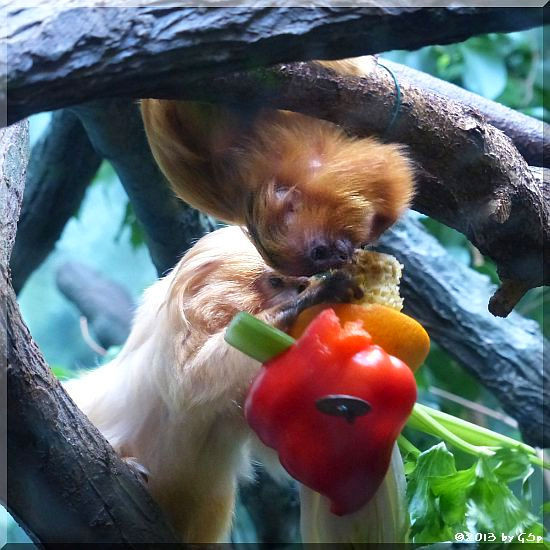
(314, 200)
(303, 235)
(276, 289)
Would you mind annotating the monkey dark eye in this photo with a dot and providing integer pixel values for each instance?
(276, 282)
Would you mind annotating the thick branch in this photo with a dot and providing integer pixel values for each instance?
(58, 458)
(116, 131)
(106, 305)
(60, 55)
(66, 482)
(470, 175)
(526, 132)
(14, 155)
(62, 164)
(449, 298)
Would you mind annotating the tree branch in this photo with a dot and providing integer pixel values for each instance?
(526, 132)
(66, 482)
(58, 458)
(61, 55)
(116, 131)
(448, 299)
(470, 175)
(14, 155)
(62, 164)
(106, 305)
(498, 209)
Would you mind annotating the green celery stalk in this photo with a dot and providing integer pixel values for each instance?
(477, 439)
(256, 338)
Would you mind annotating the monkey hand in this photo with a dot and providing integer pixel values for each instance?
(339, 286)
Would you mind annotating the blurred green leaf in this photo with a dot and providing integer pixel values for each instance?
(129, 220)
(488, 268)
(62, 373)
(447, 374)
(512, 66)
(484, 72)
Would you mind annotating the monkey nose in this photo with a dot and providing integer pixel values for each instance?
(328, 255)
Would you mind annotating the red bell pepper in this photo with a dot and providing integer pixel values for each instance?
(333, 405)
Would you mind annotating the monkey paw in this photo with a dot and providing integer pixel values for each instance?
(339, 286)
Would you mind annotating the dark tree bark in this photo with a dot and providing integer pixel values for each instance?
(107, 306)
(526, 132)
(448, 298)
(116, 131)
(14, 154)
(62, 164)
(63, 55)
(65, 482)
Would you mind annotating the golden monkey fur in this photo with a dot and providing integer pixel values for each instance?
(308, 193)
(172, 398)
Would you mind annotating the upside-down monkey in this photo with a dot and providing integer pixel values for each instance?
(307, 192)
(171, 401)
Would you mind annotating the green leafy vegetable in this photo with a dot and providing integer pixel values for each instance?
(476, 501)
(137, 234)
(427, 525)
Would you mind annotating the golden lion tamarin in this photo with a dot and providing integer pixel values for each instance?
(171, 401)
(308, 193)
